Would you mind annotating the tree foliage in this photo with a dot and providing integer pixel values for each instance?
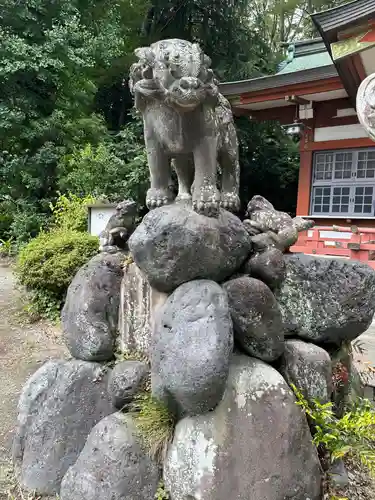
(64, 110)
(269, 164)
(280, 21)
(113, 170)
(53, 56)
(220, 26)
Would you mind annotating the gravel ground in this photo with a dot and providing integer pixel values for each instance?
(23, 349)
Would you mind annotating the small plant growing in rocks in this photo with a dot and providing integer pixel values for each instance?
(161, 492)
(155, 424)
(352, 435)
(131, 355)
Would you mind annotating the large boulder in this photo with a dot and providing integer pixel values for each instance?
(126, 380)
(112, 466)
(138, 305)
(58, 407)
(326, 300)
(255, 445)
(191, 349)
(309, 368)
(174, 244)
(256, 316)
(90, 315)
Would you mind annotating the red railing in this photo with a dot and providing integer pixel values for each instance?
(346, 242)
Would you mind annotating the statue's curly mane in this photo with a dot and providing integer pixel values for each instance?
(175, 58)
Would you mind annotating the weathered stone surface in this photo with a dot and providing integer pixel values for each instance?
(326, 300)
(112, 465)
(192, 345)
(174, 244)
(58, 407)
(271, 228)
(119, 227)
(125, 380)
(138, 305)
(255, 445)
(338, 474)
(268, 266)
(347, 383)
(90, 315)
(309, 368)
(256, 318)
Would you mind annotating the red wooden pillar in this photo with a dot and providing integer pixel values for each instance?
(305, 172)
(304, 183)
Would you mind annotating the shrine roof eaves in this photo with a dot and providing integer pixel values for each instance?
(333, 21)
(353, 13)
(278, 80)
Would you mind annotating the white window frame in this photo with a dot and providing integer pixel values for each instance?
(352, 182)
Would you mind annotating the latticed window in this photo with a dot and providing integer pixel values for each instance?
(343, 183)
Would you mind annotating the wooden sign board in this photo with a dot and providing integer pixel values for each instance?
(354, 44)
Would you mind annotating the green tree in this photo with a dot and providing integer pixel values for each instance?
(286, 20)
(221, 27)
(113, 170)
(52, 57)
(269, 164)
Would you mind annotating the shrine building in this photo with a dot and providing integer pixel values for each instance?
(314, 95)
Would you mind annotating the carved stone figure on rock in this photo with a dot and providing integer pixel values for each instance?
(366, 105)
(119, 227)
(188, 121)
(270, 228)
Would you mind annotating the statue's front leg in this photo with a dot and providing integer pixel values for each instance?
(184, 166)
(160, 173)
(206, 198)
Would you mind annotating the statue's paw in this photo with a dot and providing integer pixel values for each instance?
(207, 208)
(183, 197)
(208, 203)
(230, 202)
(158, 197)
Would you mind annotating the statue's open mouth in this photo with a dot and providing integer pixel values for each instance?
(186, 100)
(186, 105)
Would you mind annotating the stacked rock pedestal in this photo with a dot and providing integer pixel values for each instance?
(223, 346)
(213, 308)
(230, 404)
(71, 437)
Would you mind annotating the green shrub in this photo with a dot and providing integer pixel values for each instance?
(48, 263)
(70, 212)
(42, 304)
(6, 247)
(155, 424)
(5, 225)
(27, 223)
(352, 435)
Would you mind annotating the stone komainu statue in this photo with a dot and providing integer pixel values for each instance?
(119, 228)
(366, 105)
(272, 228)
(188, 121)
